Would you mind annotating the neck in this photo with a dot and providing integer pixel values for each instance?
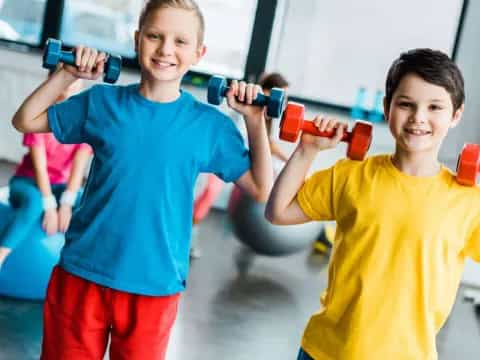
(416, 164)
(159, 91)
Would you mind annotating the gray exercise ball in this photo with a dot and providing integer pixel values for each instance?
(253, 230)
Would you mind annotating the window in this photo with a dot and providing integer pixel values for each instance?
(22, 20)
(229, 25)
(330, 49)
(109, 25)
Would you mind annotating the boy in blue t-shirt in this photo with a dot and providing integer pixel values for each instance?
(125, 259)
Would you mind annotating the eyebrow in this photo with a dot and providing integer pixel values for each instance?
(430, 100)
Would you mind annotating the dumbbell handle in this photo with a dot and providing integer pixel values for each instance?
(67, 57)
(310, 128)
(261, 99)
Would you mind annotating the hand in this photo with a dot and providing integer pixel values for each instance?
(50, 221)
(240, 97)
(319, 143)
(4, 251)
(64, 217)
(89, 63)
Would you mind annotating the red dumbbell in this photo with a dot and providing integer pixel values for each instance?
(468, 164)
(293, 123)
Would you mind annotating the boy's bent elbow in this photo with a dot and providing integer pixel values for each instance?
(270, 215)
(18, 123)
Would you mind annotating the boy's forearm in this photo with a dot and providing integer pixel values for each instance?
(260, 155)
(290, 180)
(40, 100)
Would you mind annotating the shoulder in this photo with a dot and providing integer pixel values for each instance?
(208, 113)
(108, 90)
(448, 177)
(369, 164)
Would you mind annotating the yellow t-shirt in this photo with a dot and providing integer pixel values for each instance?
(397, 259)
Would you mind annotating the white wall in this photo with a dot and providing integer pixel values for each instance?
(467, 59)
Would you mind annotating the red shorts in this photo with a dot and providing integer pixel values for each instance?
(79, 316)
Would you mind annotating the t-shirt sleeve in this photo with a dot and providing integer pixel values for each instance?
(34, 139)
(472, 248)
(67, 119)
(315, 197)
(230, 158)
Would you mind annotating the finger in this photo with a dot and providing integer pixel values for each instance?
(339, 131)
(331, 124)
(242, 85)
(78, 55)
(84, 60)
(257, 89)
(233, 88)
(92, 60)
(323, 124)
(249, 93)
(98, 69)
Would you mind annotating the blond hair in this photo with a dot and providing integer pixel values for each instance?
(191, 5)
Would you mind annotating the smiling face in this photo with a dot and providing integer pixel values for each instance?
(420, 115)
(168, 44)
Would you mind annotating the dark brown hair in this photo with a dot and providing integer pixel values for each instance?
(271, 80)
(432, 66)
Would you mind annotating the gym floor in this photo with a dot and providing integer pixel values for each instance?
(232, 313)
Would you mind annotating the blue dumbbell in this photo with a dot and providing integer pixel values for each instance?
(217, 89)
(53, 54)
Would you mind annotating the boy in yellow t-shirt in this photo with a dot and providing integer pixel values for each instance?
(404, 225)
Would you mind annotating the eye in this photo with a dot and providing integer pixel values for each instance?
(181, 41)
(435, 107)
(153, 36)
(404, 104)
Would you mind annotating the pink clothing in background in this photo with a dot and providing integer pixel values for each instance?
(59, 157)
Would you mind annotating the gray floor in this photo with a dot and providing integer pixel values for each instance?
(227, 313)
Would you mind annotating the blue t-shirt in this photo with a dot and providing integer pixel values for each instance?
(132, 230)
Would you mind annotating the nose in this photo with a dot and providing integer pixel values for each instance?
(166, 47)
(419, 116)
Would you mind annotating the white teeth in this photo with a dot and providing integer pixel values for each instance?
(162, 63)
(417, 132)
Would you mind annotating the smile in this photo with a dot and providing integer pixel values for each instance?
(417, 132)
(162, 64)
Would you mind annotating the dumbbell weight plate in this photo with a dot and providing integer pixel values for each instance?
(113, 68)
(360, 141)
(291, 121)
(215, 89)
(277, 103)
(51, 54)
(467, 165)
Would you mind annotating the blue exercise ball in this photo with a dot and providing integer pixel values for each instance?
(26, 271)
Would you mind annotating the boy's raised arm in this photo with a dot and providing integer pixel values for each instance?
(282, 207)
(31, 117)
(258, 180)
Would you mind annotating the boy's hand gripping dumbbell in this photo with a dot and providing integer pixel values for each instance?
(53, 55)
(217, 90)
(293, 123)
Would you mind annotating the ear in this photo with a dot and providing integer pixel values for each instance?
(386, 108)
(199, 53)
(136, 36)
(457, 116)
